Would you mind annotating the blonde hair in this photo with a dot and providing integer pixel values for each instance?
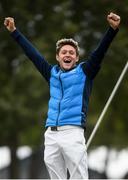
(66, 41)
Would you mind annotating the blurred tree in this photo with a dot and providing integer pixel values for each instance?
(24, 94)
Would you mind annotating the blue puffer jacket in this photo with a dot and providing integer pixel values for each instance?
(69, 90)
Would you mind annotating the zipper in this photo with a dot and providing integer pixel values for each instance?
(57, 121)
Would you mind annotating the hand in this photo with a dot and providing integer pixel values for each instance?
(113, 20)
(10, 24)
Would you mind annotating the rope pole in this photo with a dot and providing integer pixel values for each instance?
(107, 104)
(103, 112)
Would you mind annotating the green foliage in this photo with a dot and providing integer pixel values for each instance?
(23, 92)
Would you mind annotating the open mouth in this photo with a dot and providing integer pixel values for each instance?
(67, 61)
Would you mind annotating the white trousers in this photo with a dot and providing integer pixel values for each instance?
(65, 149)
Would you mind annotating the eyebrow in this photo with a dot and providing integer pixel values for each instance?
(73, 50)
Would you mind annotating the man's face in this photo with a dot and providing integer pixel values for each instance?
(67, 57)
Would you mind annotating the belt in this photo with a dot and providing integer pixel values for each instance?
(61, 128)
(54, 128)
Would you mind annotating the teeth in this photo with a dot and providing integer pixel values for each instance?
(67, 61)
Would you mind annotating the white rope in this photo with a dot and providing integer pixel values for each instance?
(103, 113)
(107, 104)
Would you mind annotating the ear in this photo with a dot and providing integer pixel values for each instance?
(57, 57)
(77, 58)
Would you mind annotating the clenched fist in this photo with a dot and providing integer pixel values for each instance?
(10, 24)
(113, 20)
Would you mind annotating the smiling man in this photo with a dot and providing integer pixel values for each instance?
(70, 88)
(67, 53)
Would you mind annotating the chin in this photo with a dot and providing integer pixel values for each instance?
(67, 68)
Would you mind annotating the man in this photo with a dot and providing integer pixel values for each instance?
(70, 87)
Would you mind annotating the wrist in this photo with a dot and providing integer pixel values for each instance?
(114, 27)
(12, 30)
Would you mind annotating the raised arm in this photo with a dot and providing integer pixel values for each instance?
(92, 65)
(32, 53)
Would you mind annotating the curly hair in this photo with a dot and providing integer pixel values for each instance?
(66, 41)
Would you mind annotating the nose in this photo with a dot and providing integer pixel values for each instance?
(68, 53)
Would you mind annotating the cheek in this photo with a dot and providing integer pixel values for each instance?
(59, 57)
